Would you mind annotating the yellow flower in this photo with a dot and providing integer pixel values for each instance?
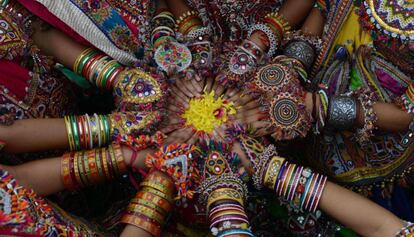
(205, 113)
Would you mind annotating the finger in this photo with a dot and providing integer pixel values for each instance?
(175, 108)
(197, 85)
(170, 128)
(230, 93)
(218, 90)
(182, 86)
(179, 94)
(209, 85)
(193, 139)
(193, 87)
(254, 104)
(243, 99)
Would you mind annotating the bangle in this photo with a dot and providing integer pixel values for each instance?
(142, 223)
(159, 201)
(273, 171)
(69, 133)
(366, 100)
(222, 194)
(270, 35)
(302, 51)
(120, 161)
(236, 232)
(342, 113)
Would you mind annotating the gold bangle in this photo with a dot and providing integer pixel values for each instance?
(150, 197)
(156, 186)
(79, 170)
(150, 205)
(272, 171)
(69, 133)
(150, 227)
(149, 212)
(223, 194)
(98, 160)
(113, 160)
(120, 160)
(158, 193)
(87, 173)
(77, 61)
(108, 176)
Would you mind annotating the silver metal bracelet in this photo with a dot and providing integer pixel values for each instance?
(342, 113)
(302, 51)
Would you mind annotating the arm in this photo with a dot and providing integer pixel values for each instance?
(362, 215)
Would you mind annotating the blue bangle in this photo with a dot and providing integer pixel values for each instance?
(302, 199)
(235, 232)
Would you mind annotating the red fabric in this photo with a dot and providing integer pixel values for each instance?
(14, 77)
(41, 11)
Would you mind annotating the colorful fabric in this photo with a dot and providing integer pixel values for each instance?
(23, 212)
(93, 21)
(27, 91)
(352, 55)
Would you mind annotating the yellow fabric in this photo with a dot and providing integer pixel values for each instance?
(351, 35)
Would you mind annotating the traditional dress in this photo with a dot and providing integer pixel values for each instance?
(368, 44)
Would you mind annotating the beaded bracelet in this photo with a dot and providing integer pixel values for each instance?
(366, 100)
(84, 168)
(188, 22)
(406, 231)
(407, 99)
(273, 42)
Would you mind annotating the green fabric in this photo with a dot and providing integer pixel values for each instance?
(73, 77)
(356, 81)
(345, 232)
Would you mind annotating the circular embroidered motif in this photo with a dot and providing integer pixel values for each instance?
(393, 17)
(273, 77)
(173, 56)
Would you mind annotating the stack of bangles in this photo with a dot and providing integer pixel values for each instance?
(99, 69)
(151, 204)
(188, 22)
(88, 132)
(84, 168)
(274, 27)
(163, 28)
(226, 213)
(407, 231)
(295, 184)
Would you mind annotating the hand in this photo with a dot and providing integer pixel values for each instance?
(189, 84)
(249, 113)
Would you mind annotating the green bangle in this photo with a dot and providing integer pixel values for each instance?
(75, 130)
(84, 60)
(107, 128)
(108, 74)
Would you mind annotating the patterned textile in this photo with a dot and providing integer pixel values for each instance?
(22, 212)
(28, 86)
(352, 62)
(230, 20)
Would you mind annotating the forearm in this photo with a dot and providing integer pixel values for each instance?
(55, 43)
(45, 176)
(358, 213)
(32, 135)
(390, 118)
